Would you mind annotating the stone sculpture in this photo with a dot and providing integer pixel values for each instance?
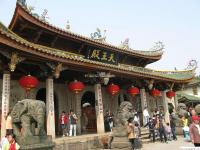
(26, 113)
(197, 109)
(181, 109)
(98, 35)
(124, 113)
(120, 129)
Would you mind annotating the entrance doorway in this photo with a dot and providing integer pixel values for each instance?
(41, 95)
(88, 113)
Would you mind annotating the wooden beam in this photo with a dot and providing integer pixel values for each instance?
(35, 40)
(22, 27)
(54, 41)
(81, 48)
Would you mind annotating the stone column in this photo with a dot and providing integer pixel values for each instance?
(78, 112)
(165, 106)
(99, 108)
(143, 100)
(121, 96)
(175, 102)
(5, 102)
(50, 112)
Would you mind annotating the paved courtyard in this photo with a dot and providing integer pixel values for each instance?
(171, 145)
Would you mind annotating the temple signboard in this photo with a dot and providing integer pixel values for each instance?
(102, 56)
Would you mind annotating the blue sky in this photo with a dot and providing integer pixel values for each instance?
(174, 22)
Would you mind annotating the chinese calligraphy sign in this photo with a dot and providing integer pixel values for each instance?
(102, 56)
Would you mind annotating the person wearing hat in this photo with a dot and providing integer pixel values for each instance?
(195, 131)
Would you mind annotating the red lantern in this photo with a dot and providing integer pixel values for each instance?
(76, 86)
(113, 89)
(133, 91)
(155, 92)
(170, 94)
(28, 82)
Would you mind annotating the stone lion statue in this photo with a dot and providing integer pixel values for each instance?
(197, 109)
(123, 114)
(26, 113)
(182, 109)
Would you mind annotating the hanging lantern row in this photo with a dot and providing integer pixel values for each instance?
(170, 94)
(76, 86)
(133, 91)
(155, 92)
(113, 89)
(28, 82)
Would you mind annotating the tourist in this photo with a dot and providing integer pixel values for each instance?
(4, 141)
(73, 123)
(185, 125)
(130, 131)
(109, 117)
(12, 144)
(146, 116)
(137, 142)
(173, 125)
(151, 124)
(161, 130)
(107, 122)
(136, 118)
(168, 131)
(63, 123)
(9, 128)
(195, 131)
(161, 113)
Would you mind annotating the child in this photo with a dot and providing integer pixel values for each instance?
(168, 131)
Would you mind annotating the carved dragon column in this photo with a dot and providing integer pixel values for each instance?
(143, 100)
(165, 106)
(99, 108)
(50, 112)
(5, 102)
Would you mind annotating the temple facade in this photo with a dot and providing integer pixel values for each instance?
(58, 57)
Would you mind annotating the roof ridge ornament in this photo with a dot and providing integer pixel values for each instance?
(158, 46)
(125, 44)
(30, 10)
(98, 35)
(68, 26)
(44, 15)
(192, 65)
(22, 2)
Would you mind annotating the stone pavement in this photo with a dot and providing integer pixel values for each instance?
(171, 145)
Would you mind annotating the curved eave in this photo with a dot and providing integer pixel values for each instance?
(22, 12)
(13, 41)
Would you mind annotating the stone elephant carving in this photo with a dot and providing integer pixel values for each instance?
(26, 113)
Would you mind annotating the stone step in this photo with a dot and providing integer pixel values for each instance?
(146, 141)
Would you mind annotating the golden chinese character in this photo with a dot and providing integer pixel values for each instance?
(104, 56)
(111, 58)
(95, 54)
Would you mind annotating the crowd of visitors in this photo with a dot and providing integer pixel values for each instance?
(68, 123)
(158, 127)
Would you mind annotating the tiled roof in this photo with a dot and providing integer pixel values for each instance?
(154, 54)
(176, 76)
(195, 81)
(190, 98)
